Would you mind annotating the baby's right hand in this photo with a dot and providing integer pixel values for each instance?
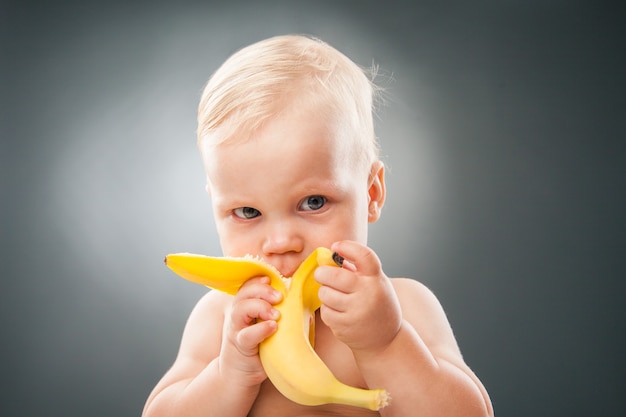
(250, 320)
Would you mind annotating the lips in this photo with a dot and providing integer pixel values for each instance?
(286, 270)
(288, 273)
(285, 264)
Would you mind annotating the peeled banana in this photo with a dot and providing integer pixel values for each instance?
(288, 357)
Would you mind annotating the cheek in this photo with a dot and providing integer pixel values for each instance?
(232, 245)
(361, 218)
(225, 241)
(228, 239)
(353, 224)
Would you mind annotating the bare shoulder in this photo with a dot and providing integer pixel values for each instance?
(202, 336)
(200, 343)
(422, 309)
(415, 295)
(203, 332)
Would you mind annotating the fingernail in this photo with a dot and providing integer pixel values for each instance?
(275, 314)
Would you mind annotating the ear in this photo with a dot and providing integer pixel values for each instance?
(376, 191)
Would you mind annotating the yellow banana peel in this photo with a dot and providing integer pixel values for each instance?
(288, 357)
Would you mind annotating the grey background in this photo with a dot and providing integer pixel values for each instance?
(504, 137)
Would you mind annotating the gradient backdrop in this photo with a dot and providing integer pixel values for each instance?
(504, 135)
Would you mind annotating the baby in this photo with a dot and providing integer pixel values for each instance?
(286, 134)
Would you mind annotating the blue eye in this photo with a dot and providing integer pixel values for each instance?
(246, 212)
(312, 203)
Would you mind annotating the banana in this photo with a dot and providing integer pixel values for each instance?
(288, 357)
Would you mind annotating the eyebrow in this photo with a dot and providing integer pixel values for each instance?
(229, 203)
(325, 185)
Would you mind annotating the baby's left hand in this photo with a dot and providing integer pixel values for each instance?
(359, 303)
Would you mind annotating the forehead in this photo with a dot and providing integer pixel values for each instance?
(295, 133)
(280, 149)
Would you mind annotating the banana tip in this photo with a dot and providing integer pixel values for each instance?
(338, 259)
(384, 399)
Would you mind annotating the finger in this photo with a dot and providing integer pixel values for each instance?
(334, 318)
(258, 287)
(361, 257)
(332, 299)
(248, 339)
(348, 265)
(338, 279)
(248, 311)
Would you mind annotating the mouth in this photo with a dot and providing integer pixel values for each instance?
(286, 273)
(285, 270)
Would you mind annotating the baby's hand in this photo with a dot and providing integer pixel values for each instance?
(242, 333)
(359, 303)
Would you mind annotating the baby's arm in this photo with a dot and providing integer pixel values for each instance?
(400, 338)
(428, 370)
(217, 371)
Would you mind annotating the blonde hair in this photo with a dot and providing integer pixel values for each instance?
(270, 76)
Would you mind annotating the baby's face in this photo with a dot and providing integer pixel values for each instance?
(286, 191)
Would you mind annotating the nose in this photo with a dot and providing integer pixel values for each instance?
(282, 236)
